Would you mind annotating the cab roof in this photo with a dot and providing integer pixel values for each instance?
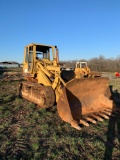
(41, 45)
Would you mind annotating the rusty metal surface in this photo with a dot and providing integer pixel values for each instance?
(82, 98)
(43, 96)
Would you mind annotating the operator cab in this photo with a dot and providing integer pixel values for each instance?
(81, 64)
(39, 52)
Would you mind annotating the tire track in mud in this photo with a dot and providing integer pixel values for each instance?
(18, 141)
(14, 140)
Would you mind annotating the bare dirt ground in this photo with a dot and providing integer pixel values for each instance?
(29, 133)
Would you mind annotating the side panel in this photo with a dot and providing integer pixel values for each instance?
(29, 54)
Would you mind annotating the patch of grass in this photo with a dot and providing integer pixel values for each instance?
(115, 83)
(27, 132)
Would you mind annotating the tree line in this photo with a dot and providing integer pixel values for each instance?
(100, 64)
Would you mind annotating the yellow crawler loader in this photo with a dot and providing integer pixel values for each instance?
(79, 100)
(82, 71)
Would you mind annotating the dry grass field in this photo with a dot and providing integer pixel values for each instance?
(27, 133)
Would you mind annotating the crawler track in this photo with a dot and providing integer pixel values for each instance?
(43, 96)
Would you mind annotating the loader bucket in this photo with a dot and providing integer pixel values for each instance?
(84, 100)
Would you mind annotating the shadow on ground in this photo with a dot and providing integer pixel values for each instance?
(113, 131)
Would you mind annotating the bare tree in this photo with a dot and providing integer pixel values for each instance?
(98, 64)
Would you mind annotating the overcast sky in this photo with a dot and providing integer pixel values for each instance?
(82, 29)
